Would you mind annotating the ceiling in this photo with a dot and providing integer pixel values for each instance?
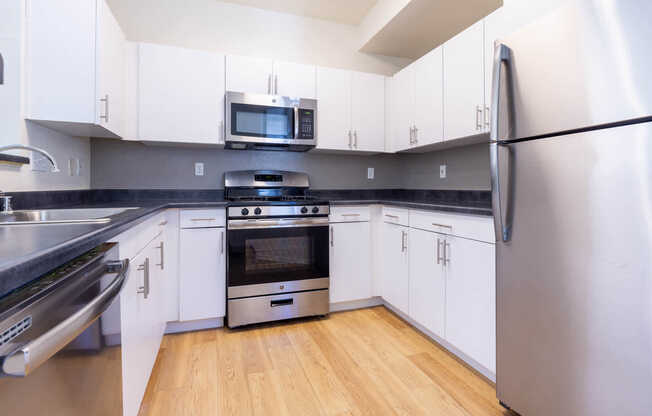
(349, 12)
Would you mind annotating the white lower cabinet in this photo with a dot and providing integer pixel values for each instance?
(202, 273)
(427, 281)
(395, 276)
(470, 299)
(350, 262)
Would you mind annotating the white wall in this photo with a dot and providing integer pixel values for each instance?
(241, 30)
(13, 128)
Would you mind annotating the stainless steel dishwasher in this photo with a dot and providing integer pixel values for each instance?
(54, 358)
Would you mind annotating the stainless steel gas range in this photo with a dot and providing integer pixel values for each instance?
(277, 251)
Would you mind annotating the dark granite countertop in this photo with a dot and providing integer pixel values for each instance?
(28, 251)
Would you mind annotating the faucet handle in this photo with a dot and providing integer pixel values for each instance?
(5, 203)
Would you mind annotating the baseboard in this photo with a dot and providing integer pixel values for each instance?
(445, 344)
(356, 304)
(198, 325)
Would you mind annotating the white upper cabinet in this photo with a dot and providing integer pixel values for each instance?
(180, 95)
(429, 100)
(76, 66)
(404, 90)
(464, 79)
(295, 80)
(351, 110)
(368, 111)
(248, 74)
(334, 109)
(265, 76)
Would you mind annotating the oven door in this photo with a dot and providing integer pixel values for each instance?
(277, 256)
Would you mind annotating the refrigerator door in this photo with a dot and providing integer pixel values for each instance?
(585, 64)
(574, 279)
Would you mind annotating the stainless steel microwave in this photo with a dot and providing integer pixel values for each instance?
(270, 122)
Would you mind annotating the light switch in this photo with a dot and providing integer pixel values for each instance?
(370, 173)
(442, 171)
(199, 169)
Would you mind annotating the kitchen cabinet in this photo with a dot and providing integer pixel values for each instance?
(266, 76)
(202, 267)
(351, 113)
(76, 65)
(427, 280)
(395, 270)
(418, 110)
(350, 261)
(180, 95)
(470, 298)
(464, 77)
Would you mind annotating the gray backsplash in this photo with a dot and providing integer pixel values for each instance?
(132, 165)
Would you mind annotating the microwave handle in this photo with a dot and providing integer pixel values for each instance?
(296, 123)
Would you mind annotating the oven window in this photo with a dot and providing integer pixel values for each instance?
(277, 255)
(262, 121)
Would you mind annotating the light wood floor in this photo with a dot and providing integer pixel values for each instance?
(364, 362)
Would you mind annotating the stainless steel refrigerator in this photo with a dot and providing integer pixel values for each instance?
(571, 160)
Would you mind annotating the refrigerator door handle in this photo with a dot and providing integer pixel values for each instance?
(501, 154)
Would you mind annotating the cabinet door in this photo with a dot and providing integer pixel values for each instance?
(295, 80)
(111, 71)
(350, 262)
(427, 281)
(202, 273)
(180, 95)
(429, 98)
(395, 270)
(248, 74)
(334, 109)
(139, 344)
(404, 96)
(368, 111)
(464, 83)
(158, 285)
(470, 299)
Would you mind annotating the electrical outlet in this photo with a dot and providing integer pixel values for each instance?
(199, 169)
(370, 173)
(442, 171)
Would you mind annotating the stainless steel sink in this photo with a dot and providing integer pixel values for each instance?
(61, 216)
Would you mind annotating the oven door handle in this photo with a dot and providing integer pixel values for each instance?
(28, 358)
(277, 223)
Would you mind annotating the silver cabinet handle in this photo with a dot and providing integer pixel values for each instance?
(478, 117)
(411, 135)
(145, 288)
(163, 223)
(28, 358)
(447, 252)
(202, 219)
(391, 216)
(416, 135)
(501, 153)
(442, 225)
(350, 215)
(350, 140)
(161, 247)
(106, 108)
(403, 243)
(269, 83)
(222, 242)
(487, 117)
(438, 251)
(276, 84)
(355, 139)
(332, 236)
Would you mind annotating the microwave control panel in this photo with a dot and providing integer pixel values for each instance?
(306, 124)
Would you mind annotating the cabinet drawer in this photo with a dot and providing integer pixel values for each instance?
(202, 218)
(353, 213)
(474, 227)
(134, 240)
(398, 216)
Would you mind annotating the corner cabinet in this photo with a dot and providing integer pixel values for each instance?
(180, 95)
(76, 65)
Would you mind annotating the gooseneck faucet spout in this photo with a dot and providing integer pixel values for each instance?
(53, 162)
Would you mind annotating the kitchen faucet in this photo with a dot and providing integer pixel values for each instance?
(5, 200)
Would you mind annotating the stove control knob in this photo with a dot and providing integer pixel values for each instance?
(304, 210)
(258, 211)
(315, 210)
(244, 211)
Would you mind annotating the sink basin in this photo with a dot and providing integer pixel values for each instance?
(61, 216)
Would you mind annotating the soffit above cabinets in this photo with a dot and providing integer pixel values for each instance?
(349, 12)
(420, 26)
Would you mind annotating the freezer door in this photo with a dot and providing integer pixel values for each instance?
(574, 281)
(585, 64)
